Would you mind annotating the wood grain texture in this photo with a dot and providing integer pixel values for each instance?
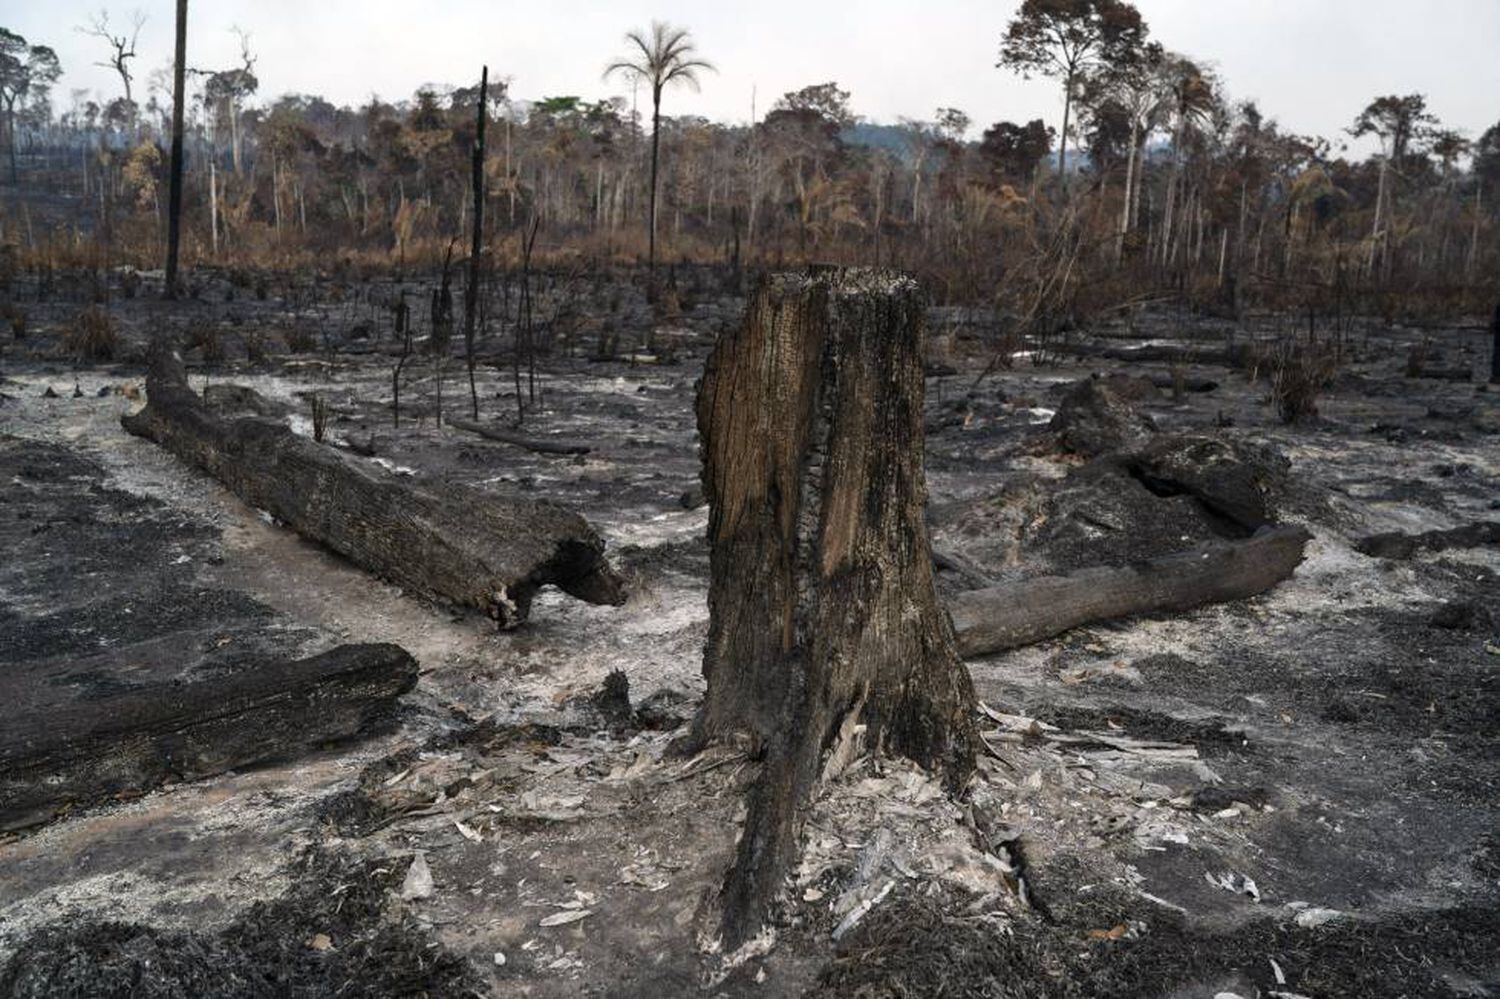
(1007, 617)
(129, 742)
(823, 615)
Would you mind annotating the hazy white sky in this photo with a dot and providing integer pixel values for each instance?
(1312, 64)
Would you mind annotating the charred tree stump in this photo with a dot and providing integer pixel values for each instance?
(458, 545)
(823, 617)
(1007, 617)
(130, 742)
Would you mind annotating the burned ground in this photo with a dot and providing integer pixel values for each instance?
(1332, 741)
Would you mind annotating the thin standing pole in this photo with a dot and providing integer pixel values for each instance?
(174, 198)
(471, 295)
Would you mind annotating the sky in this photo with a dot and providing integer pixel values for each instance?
(1310, 64)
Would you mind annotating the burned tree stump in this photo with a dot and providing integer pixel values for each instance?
(458, 545)
(823, 618)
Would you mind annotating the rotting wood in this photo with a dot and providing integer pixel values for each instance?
(129, 742)
(1399, 545)
(541, 445)
(456, 544)
(823, 615)
(1017, 614)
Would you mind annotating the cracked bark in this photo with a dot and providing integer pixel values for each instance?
(821, 599)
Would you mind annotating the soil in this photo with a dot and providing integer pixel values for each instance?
(1333, 741)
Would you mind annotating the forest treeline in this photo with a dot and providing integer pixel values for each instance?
(1163, 185)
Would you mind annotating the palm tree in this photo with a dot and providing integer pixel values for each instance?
(663, 57)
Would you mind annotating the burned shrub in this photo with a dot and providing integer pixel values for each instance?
(205, 338)
(16, 316)
(92, 335)
(1417, 357)
(1299, 374)
(319, 416)
(299, 341)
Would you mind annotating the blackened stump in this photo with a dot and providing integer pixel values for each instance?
(822, 611)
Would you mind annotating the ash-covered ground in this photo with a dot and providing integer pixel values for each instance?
(1292, 795)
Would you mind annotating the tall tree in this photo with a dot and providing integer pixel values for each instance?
(1398, 122)
(661, 57)
(1132, 84)
(1067, 39)
(174, 198)
(24, 69)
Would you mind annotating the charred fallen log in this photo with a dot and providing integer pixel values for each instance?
(1399, 545)
(1236, 480)
(1010, 616)
(1235, 356)
(470, 548)
(127, 743)
(540, 445)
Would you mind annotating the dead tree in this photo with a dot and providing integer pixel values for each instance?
(122, 48)
(471, 294)
(454, 544)
(403, 331)
(824, 625)
(174, 196)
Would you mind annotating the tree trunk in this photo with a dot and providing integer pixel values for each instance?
(1379, 208)
(1495, 347)
(471, 549)
(94, 749)
(174, 197)
(10, 143)
(655, 150)
(213, 204)
(471, 294)
(1010, 616)
(1062, 139)
(821, 600)
(1129, 184)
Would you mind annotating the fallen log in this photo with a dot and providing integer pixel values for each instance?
(1188, 383)
(1399, 545)
(1444, 374)
(541, 445)
(1016, 614)
(125, 744)
(1159, 353)
(470, 548)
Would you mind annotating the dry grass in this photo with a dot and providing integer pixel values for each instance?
(92, 335)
